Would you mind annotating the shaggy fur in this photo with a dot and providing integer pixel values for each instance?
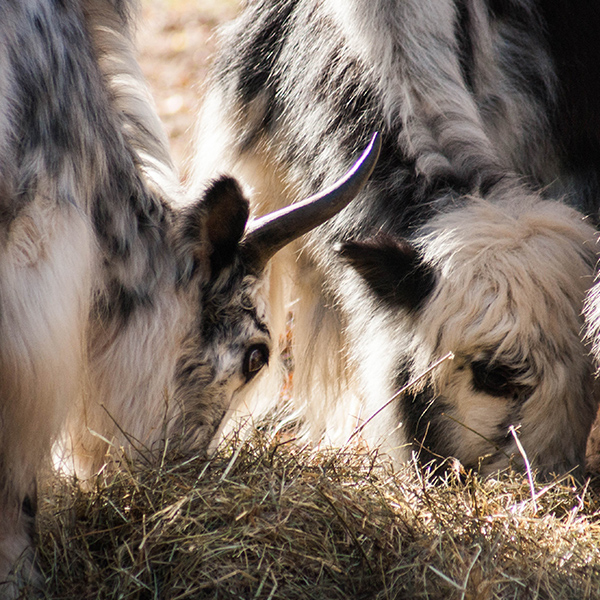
(457, 243)
(127, 317)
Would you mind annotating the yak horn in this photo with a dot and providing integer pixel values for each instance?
(268, 234)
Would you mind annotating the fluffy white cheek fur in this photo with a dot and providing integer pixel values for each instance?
(475, 416)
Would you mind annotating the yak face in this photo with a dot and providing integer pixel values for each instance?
(222, 356)
(228, 343)
(225, 258)
(236, 344)
(501, 286)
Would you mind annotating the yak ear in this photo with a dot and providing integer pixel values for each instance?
(392, 268)
(226, 217)
(215, 224)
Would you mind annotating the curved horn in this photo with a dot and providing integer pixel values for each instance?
(268, 234)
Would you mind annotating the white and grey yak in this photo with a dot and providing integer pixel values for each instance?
(475, 236)
(126, 315)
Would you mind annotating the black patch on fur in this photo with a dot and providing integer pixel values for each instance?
(392, 268)
(524, 43)
(572, 30)
(120, 301)
(499, 380)
(465, 41)
(262, 54)
(515, 10)
(251, 61)
(29, 507)
(422, 415)
(126, 300)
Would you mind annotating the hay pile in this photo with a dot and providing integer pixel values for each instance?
(267, 519)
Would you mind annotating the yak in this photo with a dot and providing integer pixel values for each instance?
(475, 238)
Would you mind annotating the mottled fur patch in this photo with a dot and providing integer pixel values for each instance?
(125, 318)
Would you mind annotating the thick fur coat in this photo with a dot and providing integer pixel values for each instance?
(475, 235)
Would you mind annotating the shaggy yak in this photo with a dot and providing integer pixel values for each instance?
(470, 237)
(124, 314)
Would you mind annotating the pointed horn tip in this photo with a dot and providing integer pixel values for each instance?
(358, 174)
(367, 161)
(371, 152)
(373, 148)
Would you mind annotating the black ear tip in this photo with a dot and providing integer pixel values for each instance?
(341, 248)
(391, 267)
(351, 253)
(224, 186)
(361, 252)
(227, 207)
(226, 211)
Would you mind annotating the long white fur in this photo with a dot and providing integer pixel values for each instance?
(512, 276)
(49, 269)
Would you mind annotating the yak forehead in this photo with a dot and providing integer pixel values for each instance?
(234, 311)
(512, 279)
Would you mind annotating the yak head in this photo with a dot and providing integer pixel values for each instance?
(500, 285)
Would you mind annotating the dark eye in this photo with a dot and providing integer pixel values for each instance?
(255, 359)
(495, 380)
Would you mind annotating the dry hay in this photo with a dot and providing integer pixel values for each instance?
(266, 519)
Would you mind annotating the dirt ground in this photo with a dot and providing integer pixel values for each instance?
(175, 41)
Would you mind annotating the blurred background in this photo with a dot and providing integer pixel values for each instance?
(176, 40)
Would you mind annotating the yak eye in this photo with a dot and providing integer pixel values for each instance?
(255, 359)
(495, 380)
